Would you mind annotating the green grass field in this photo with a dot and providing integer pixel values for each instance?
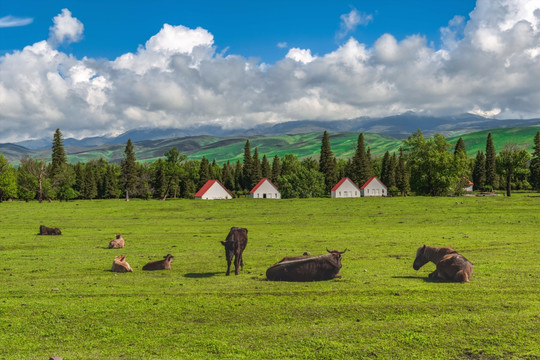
(58, 296)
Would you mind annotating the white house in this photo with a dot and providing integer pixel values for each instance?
(345, 188)
(467, 185)
(265, 189)
(374, 187)
(212, 190)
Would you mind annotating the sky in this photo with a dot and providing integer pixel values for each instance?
(105, 67)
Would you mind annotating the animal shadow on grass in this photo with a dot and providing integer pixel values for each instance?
(200, 275)
(425, 278)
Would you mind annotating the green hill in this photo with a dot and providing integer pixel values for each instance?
(302, 145)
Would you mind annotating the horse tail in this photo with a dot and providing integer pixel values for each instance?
(462, 276)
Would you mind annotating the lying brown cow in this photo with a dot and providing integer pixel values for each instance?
(120, 264)
(43, 230)
(164, 264)
(234, 247)
(307, 268)
(117, 243)
(451, 266)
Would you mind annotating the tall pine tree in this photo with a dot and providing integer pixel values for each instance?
(247, 168)
(479, 171)
(128, 175)
(327, 163)
(491, 167)
(362, 168)
(204, 171)
(266, 171)
(402, 174)
(257, 170)
(59, 158)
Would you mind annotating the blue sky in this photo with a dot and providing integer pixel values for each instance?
(105, 67)
(247, 28)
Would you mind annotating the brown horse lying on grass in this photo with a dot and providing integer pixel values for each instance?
(451, 266)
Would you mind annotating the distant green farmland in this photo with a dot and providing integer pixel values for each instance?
(59, 298)
(302, 145)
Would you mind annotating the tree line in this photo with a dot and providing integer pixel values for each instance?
(422, 166)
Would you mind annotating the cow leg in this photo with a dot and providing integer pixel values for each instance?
(237, 260)
(228, 267)
(434, 275)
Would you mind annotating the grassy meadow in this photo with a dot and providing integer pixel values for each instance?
(58, 296)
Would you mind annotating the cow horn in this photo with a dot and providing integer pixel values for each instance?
(328, 250)
(343, 252)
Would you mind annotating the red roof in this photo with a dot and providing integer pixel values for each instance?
(208, 185)
(467, 181)
(341, 182)
(370, 180)
(260, 183)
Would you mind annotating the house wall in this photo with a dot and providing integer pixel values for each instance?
(347, 189)
(374, 188)
(216, 191)
(266, 189)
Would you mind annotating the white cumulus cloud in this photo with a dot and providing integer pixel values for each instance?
(488, 64)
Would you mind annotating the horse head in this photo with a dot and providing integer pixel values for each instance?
(421, 258)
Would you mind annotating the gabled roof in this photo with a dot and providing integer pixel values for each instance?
(262, 182)
(370, 180)
(341, 183)
(208, 185)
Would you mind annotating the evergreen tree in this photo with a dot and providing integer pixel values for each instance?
(479, 171)
(128, 175)
(257, 169)
(171, 172)
(247, 168)
(402, 174)
(110, 183)
(491, 170)
(327, 164)
(238, 174)
(535, 164)
(204, 172)
(386, 168)
(460, 148)
(59, 157)
(89, 188)
(227, 174)
(276, 169)
(159, 183)
(362, 168)
(266, 171)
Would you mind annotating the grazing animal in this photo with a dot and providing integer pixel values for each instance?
(164, 264)
(234, 247)
(307, 268)
(451, 266)
(120, 264)
(117, 243)
(43, 230)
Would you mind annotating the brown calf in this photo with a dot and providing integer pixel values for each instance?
(234, 247)
(450, 266)
(164, 264)
(120, 264)
(117, 243)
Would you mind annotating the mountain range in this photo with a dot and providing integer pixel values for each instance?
(299, 137)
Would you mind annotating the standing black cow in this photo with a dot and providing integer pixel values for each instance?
(43, 230)
(307, 268)
(234, 246)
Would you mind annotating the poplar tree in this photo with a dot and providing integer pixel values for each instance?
(479, 171)
(266, 171)
(257, 170)
(362, 168)
(402, 174)
(128, 175)
(59, 158)
(535, 164)
(327, 164)
(204, 171)
(276, 169)
(491, 168)
(247, 168)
